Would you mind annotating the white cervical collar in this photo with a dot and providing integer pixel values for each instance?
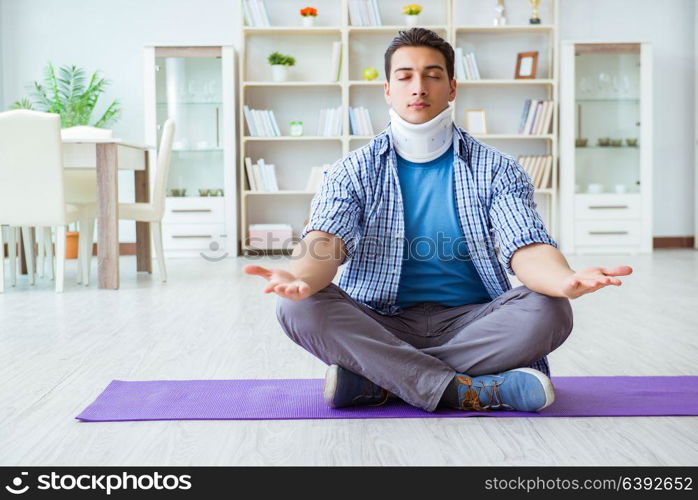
(422, 142)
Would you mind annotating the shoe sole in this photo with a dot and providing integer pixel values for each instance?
(329, 386)
(545, 381)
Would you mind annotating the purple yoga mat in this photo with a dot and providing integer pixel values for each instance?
(289, 399)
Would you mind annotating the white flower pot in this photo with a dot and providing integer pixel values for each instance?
(279, 72)
(308, 21)
(412, 20)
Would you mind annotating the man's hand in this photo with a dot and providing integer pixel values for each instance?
(281, 282)
(591, 279)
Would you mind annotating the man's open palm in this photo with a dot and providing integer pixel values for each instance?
(281, 282)
(592, 278)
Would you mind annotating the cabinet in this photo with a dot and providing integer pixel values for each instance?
(195, 86)
(606, 147)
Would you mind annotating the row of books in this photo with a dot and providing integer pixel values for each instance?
(330, 123)
(335, 70)
(539, 168)
(536, 118)
(466, 66)
(360, 121)
(261, 122)
(364, 13)
(255, 12)
(261, 176)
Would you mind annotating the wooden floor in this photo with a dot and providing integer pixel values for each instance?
(211, 321)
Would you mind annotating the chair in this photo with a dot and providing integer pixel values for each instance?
(32, 186)
(154, 211)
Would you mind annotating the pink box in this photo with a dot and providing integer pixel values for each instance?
(270, 236)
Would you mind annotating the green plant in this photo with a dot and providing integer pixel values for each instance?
(276, 58)
(66, 94)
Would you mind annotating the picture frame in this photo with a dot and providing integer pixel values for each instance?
(475, 121)
(526, 65)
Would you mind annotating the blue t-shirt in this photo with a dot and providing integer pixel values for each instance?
(436, 266)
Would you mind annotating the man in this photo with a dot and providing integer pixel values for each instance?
(435, 325)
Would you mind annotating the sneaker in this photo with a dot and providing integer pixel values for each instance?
(521, 389)
(344, 388)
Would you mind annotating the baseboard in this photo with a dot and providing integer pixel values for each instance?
(673, 241)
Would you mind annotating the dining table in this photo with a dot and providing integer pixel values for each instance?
(108, 156)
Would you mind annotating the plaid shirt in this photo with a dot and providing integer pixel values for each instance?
(360, 202)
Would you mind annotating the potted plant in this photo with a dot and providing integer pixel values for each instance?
(67, 95)
(279, 66)
(309, 14)
(411, 13)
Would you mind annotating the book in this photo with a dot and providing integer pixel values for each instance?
(271, 173)
(460, 69)
(547, 117)
(545, 183)
(352, 124)
(247, 13)
(531, 116)
(538, 172)
(376, 13)
(538, 126)
(469, 74)
(250, 174)
(355, 13)
(368, 129)
(263, 11)
(336, 61)
(250, 121)
(524, 115)
(315, 178)
(473, 64)
(262, 175)
(275, 125)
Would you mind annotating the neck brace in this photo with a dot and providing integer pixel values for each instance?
(422, 142)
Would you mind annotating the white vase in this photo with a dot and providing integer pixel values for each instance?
(279, 72)
(412, 20)
(308, 21)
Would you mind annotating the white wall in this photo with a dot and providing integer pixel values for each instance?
(109, 35)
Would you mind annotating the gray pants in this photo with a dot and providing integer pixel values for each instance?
(417, 353)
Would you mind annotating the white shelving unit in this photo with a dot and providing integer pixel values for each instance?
(194, 84)
(464, 23)
(606, 94)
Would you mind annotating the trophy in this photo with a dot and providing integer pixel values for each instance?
(534, 15)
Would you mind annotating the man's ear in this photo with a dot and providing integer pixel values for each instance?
(386, 92)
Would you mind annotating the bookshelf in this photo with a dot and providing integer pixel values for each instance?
(464, 23)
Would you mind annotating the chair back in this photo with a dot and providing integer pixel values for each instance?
(81, 184)
(163, 167)
(31, 169)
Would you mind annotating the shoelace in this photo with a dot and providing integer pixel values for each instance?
(368, 392)
(471, 399)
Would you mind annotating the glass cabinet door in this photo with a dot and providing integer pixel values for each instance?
(607, 118)
(189, 90)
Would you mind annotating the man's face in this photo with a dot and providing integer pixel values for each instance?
(418, 87)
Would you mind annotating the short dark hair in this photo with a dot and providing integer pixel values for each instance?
(420, 37)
